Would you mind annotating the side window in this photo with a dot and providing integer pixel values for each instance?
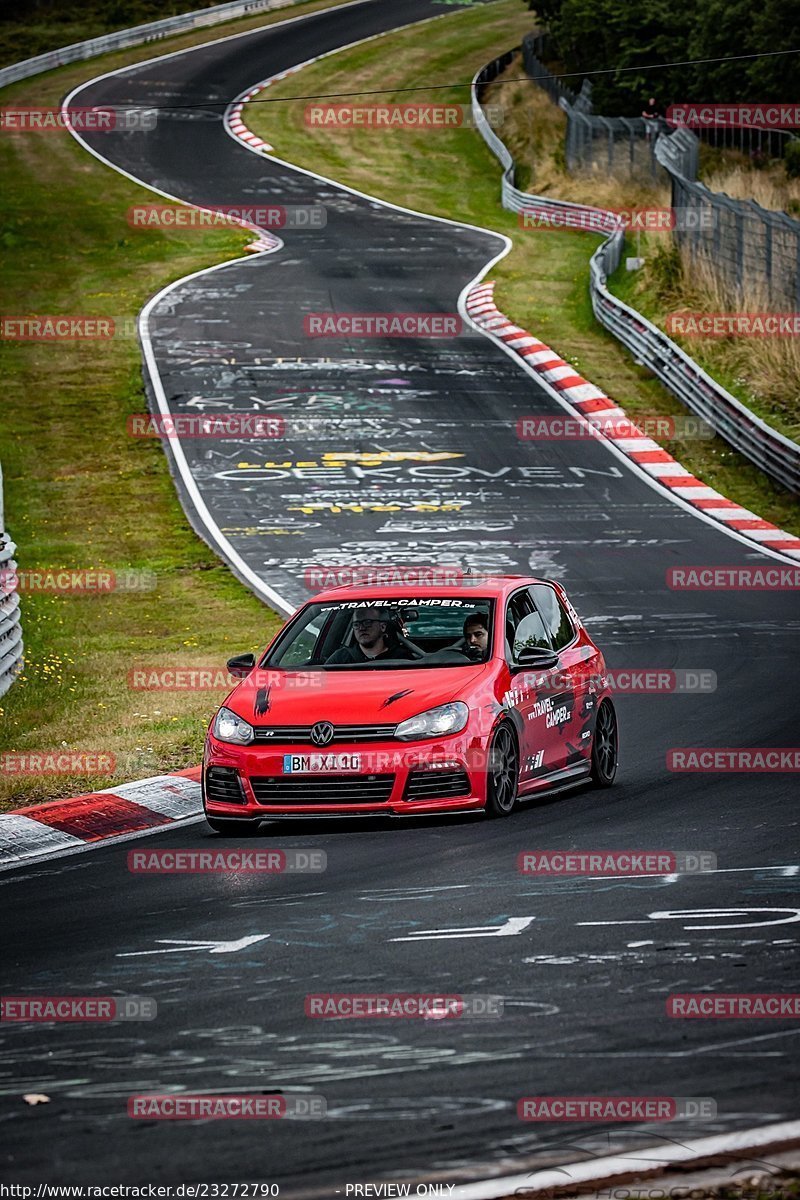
(308, 644)
(555, 618)
(524, 626)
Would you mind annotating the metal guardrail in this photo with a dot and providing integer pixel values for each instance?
(776, 455)
(137, 35)
(680, 153)
(10, 631)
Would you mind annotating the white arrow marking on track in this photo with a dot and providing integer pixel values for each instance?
(512, 925)
(790, 916)
(178, 945)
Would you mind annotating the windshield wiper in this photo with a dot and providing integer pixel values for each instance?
(385, 664)
(413, 664)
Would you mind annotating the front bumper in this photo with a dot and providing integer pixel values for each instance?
(393, 778)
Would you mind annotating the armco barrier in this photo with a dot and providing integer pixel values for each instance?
(776, 455)
(137, 36)
(10, 632)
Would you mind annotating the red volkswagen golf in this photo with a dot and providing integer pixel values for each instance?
(412, 700)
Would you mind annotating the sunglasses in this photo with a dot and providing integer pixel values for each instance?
(365, 624)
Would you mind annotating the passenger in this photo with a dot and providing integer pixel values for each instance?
(372, 640)
(476, 636)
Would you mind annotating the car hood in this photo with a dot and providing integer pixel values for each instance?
(361, 697)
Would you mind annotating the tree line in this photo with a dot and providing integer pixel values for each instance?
(592, 35)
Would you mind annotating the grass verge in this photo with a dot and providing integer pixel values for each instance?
(80, 493)
(543, 282)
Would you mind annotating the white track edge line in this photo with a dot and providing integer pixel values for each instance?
(645, 1161)
(173, 445)
(664, 493)
(263, 590)
(651, 483)
(508, 245)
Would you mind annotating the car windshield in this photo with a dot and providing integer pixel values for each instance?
(392, 634)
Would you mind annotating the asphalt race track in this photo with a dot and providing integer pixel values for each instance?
(586, 974)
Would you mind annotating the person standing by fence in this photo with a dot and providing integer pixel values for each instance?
(652, 116)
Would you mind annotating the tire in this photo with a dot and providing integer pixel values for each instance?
(232, 828)
(605, 746)
(502, 773)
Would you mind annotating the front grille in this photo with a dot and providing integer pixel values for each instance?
(224, 784)
(301, 734)
(322, 789)
(436, 785)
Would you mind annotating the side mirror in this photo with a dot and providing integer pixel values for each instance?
(241, 665)
(536, 656)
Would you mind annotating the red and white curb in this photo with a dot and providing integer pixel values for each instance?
(233, 117)
(599, 410)
(235, 126)
(132, 808)
(238, 127)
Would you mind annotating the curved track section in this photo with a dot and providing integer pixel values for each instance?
(394, 448)
(408, 449)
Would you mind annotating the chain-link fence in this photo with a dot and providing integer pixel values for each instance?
(749, 247)
(613, 145)
(746, 246)
(755, 144)
(590, 138)
(532, 48)
(776, 455)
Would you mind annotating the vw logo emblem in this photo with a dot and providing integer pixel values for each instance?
(322, 733)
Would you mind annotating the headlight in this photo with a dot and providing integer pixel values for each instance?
(447, 718)
(230, 728)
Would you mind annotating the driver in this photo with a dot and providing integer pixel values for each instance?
(371, 640)
(476, 636)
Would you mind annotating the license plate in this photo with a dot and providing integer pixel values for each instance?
(319, 764)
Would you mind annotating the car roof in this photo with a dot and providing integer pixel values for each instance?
(479, 586)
